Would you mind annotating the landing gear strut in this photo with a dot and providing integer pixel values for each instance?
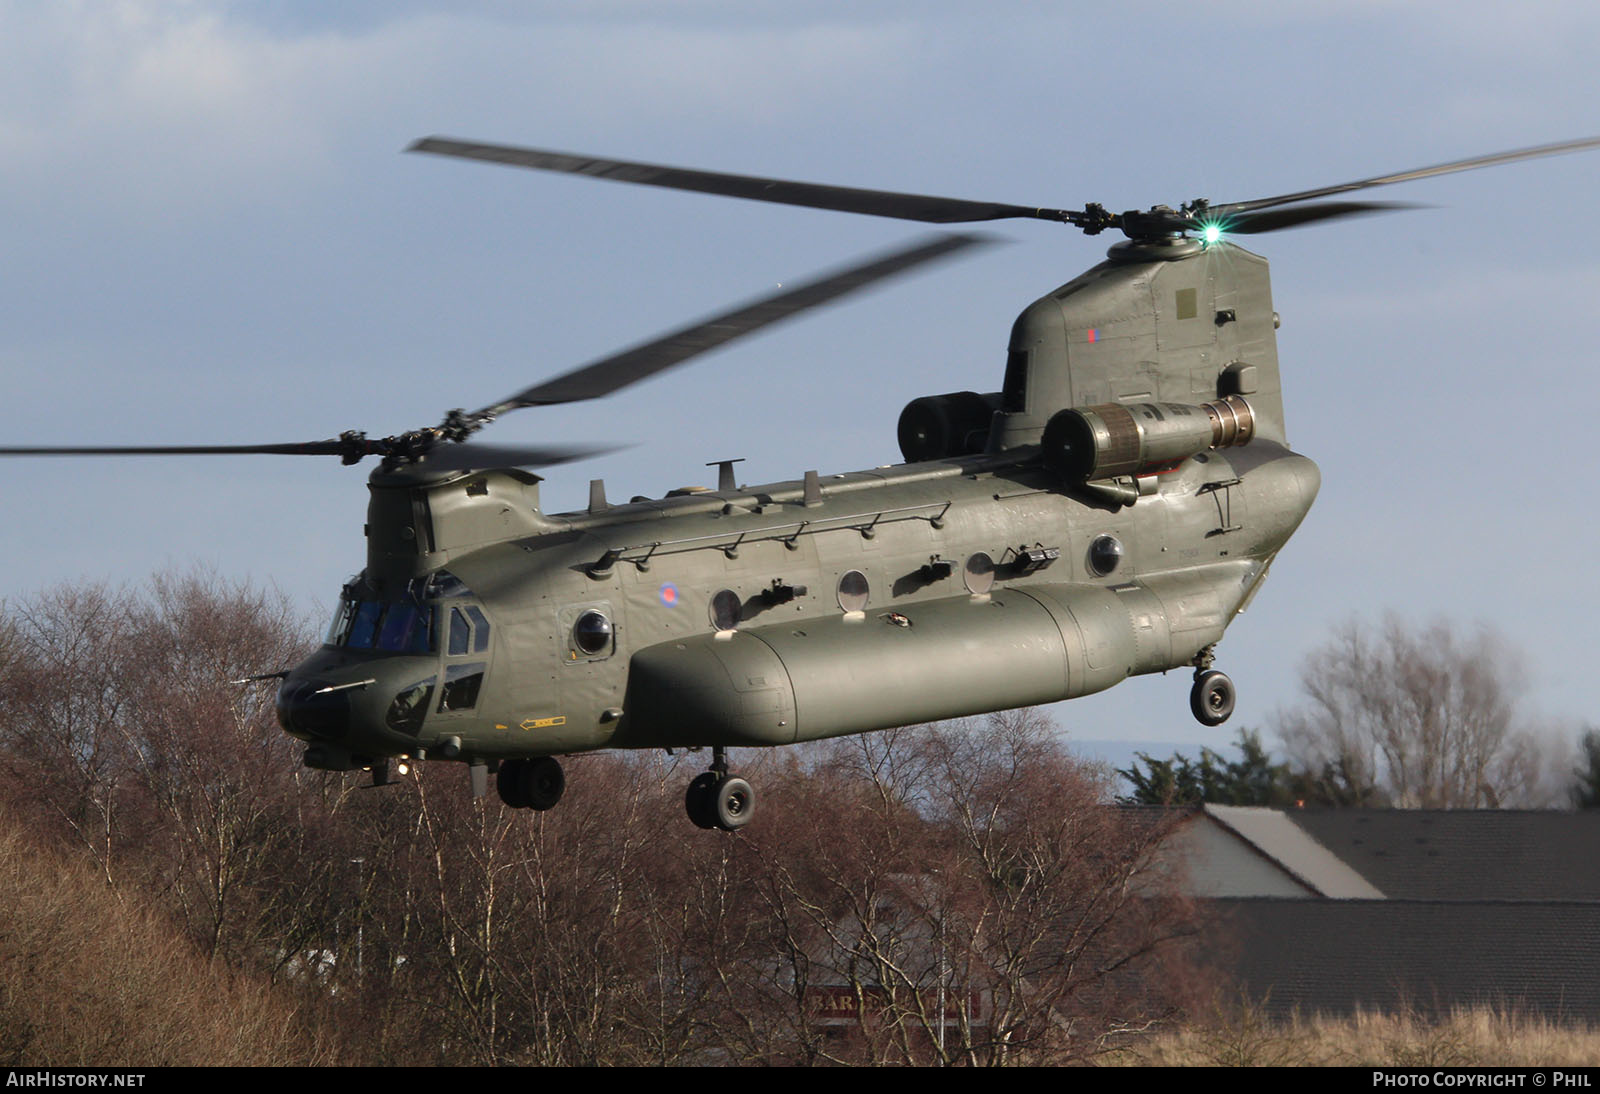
(1212, 697)
(716, 799)
(531, 784)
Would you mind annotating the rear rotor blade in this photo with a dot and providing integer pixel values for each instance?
(1272, 220)
(1234, 208)
(618, 371)
(814, 195)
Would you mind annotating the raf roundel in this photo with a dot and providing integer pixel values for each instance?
(669, 594)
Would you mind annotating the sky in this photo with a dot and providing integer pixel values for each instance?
(213, 236)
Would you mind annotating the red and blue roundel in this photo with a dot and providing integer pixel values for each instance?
(669, 594)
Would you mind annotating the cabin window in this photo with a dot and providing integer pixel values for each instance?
(978, 574)
(853, 591)
(592, 633)
(1105, 555)
(726, 608)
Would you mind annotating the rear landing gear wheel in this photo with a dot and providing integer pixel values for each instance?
(697, 800)
(1212, 697)
(734, 802)
(716, 799)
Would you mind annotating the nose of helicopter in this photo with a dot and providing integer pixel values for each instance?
(314, 709)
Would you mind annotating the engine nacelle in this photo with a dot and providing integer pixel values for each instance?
(937, 427)
(1101, 442)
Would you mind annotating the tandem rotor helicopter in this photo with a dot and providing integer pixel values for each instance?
(1104, 514)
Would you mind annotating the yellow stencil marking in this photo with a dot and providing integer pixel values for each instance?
(544, 723)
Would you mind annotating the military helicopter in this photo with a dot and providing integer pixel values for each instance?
(1106, 513)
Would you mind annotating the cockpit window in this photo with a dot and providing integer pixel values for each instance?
(410, 707)
(444, 585)
(469, 631)
(407, 628)
(480, 629)
(407, 624)
(461, 684)
(399, 627)
(339, 629)
(365, 625)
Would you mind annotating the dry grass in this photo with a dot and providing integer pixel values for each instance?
(87, 979)
(1242, 1036)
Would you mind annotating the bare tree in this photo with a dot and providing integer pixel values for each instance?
(63, 704)
(210, 758)
(1424, 716)
(970, 896)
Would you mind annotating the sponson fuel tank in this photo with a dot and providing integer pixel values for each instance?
(864, 671)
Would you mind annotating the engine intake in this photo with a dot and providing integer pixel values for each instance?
(937, 427)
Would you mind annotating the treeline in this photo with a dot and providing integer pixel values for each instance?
(954, 893)
(1392, 716)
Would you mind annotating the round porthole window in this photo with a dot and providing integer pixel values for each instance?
(978, 574)
(1105, 555)
(725, 610)
(592, 633)
(853, 591)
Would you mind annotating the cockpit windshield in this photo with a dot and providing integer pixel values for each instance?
(398, 626)
(407, 625)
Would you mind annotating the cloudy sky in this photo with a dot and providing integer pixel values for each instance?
(212, 235)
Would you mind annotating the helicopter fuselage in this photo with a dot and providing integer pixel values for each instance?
(764, 616)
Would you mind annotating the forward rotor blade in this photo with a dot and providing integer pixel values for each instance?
(618, 371)
(461, 457)
(1234, 208)
(442, 456)
(1273, 220)
(814, 195)
(305, 448)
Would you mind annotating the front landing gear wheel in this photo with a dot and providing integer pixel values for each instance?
(734, 803)
(509, 783)
(531, 784)
(697, 800)
(1212, 697)
(543, 783)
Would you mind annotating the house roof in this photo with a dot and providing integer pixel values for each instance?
(1334, 957)
(1463, 854)
(1273, 835)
